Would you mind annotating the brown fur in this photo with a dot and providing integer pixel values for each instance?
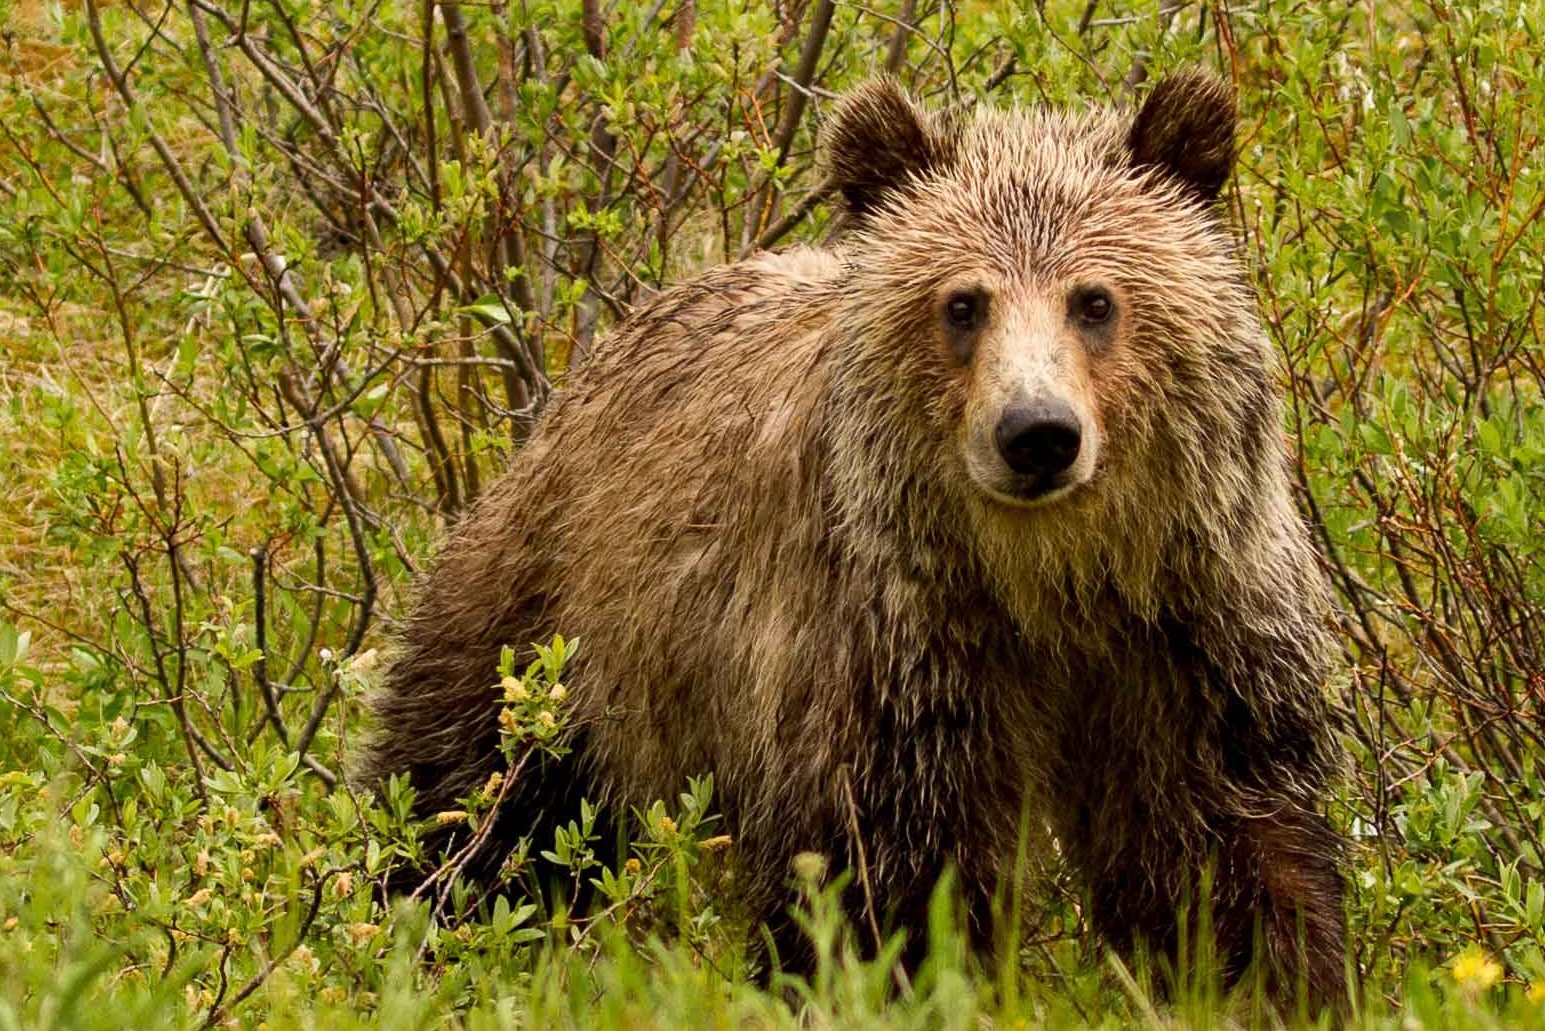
(765, 506)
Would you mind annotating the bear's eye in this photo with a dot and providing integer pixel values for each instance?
(963, 310)
(1094, 307)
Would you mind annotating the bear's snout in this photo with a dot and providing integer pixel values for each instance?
(1039, 440)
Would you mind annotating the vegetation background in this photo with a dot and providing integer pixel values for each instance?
(282, 284)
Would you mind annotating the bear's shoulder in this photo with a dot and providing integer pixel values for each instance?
(771, 294)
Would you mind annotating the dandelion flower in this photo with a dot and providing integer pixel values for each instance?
(1475, 971)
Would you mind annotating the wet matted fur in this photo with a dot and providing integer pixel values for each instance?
(773, 505)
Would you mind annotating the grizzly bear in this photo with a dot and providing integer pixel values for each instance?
(978, 519)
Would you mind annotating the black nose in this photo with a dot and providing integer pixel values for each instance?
(1039, 439)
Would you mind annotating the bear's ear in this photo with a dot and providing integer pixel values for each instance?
(1186, 129)
(876, 140)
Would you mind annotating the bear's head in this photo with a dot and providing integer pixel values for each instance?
(1050, 301)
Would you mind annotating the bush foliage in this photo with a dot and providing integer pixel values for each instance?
(282, 285)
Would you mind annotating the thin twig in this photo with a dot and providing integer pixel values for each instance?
(259, 557)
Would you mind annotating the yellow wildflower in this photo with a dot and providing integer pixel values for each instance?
(558, 693)
(717, 844)
(1475, 971)
(449, 816)
(1536, 992)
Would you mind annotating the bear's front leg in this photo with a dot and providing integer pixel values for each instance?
(1274, 905)
(1277, 900)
